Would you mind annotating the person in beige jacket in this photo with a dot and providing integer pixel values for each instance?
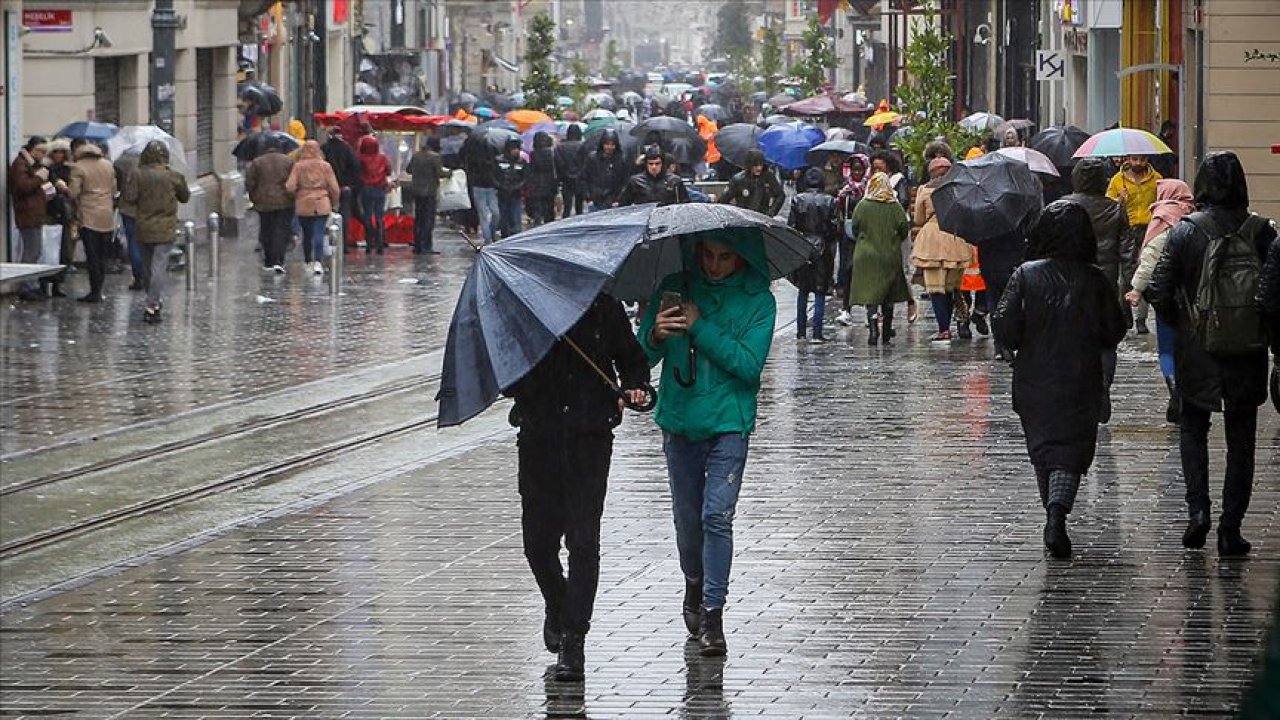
(93, 190)
(315, 191)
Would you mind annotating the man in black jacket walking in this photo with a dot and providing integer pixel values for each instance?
(346, 168)
(1234, 385)
(656, 184)
(566, 415)
(755, 188)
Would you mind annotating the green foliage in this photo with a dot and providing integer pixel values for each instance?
(771, 62)
(928, 95)
(581, 86)
(733, 31)
(819, 57)
(611, 68)
(541, 85)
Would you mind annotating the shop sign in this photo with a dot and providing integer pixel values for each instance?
(47, 20)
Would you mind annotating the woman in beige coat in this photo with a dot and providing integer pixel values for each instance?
(942, 255)
(93, 190)
(315, 193)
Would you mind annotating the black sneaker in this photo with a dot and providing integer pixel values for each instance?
(1230, 543)
(980, 324)
(711, 642)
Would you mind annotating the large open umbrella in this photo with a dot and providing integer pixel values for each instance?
(981, 122)
(248, 149)
(1018, 124)
(525, 119)
(786, 145)
(711, 111)
(735, 140)
(776, 119)
(599, 114)
(497, 137)
(1120, 142)
(524, 293)
(820, 154)
(823, 105)
(629, 143)
(88, 130)
(1036, 160)
(1059, 144)
(986, 197)
(500, 123)
(780, 100)
(546, 126)
(133, 139)
(881, 118)
(666, 126)
(687, 151)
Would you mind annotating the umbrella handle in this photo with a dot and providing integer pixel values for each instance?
(651, 399)
(469, 242)
(693, 370)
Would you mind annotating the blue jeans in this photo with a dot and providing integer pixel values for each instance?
(487, 209)
(802, 312)
(313, 229)
(135, 250)
(373, 204)
(512, 209)
(705, 476)
(1166, 340)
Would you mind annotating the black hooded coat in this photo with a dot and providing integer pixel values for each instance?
(542, 167)
(813, 213)
(1059, 313)
(1207, 381)
(604, 175)
(1110, 221)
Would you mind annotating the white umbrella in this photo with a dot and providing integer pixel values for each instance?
(132, 139)
(1036, 160)
(981, 122)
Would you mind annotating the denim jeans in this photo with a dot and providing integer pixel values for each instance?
(373, 208)
(135, 249)
(487, 208)
(802, 312)
(512, 210)
(313, 229)
(705, 477)
(1166, 341)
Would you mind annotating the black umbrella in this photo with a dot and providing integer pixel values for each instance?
(781, 100)
(713, 112)
(666, 126)
(256, 144)
(735, 140)
(1059, 143)
(819, 155)
(629, 143)
(988, 196)
(497, 137)
(466, 98)
(451, 147)
(524, 293)
(687, 151)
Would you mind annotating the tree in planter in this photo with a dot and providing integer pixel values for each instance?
(771, 62)
(611, 68)
(928, 95)
(581, 82)
(819, 57)
(541, 86)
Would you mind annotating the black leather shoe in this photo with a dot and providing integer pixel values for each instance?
(711, 641)
(1197, 530)
(570, 666)
(692, 607)
(1055, 532)
(1230, 543)
(90, 298)
(874, 337)
(551, 631)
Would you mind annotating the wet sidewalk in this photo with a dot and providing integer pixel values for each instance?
(888, 560)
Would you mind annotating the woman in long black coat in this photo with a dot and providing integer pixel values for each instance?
(1058, 313)
(542, 184)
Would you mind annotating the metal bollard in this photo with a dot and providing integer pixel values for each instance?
(215, 227)
(335, 253)
(189, 229)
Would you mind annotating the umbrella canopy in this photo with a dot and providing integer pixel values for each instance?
(1059, 143)
(132, 139)
(981, 122)
(562, 127)
(547, 126)
(711, 111)
(824, 105)
(881, 118)
(781, 100)
(599, 114)
(787, 145)
(631, 97)
(604, 101)
(256, 144)
(839, 133)
(466, 98)
(629, 143)
(88, 130)
(497, 137)
(772, 120)
(985, 197)
(687, 151)
(524, 293)
(1018, 124)
(1036, 160)
(666, 126)
(735, 140)
(758, 97)
(525, 119)
(1121, 142)
(485, 112)
(500, 123)
(820, 154)
(456, 123)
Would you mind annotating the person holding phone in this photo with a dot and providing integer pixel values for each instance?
(711, 327)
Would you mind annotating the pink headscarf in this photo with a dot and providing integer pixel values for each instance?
(1173, 200)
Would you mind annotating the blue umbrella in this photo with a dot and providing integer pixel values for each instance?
(88, 130)
(524, 293)
(787, 144)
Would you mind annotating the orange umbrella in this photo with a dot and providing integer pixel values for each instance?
(525, 119)
(881, 118)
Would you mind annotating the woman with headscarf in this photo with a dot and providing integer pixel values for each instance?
(942, 255)
(1173, 201)
(877, 280)
(316, 192)
(1058, 313)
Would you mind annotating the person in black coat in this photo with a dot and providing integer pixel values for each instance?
(1269, 299)
(570, 161)
(541, 183)
(510, 177)
(606, 171)
(755, 188)
(1058, 314)
(656, 184)
(346, 167)
(813, 214)
(1234, 385)
(566, 415)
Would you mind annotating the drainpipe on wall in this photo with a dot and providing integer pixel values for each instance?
(164, 29)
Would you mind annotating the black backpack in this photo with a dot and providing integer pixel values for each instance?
(1224, 313)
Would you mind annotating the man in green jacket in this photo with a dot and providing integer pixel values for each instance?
(711, 326)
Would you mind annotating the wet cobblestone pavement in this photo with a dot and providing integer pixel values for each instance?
(888, 560)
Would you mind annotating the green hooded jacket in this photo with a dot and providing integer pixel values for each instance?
(154, 191)
(730, 340)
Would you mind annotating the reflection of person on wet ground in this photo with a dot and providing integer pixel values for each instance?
(1058, 313)
(566, 415)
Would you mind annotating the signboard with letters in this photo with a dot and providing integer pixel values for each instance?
(38, 21)
(1050, 65)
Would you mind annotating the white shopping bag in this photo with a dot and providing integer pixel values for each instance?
(51, 245)
(453, 193)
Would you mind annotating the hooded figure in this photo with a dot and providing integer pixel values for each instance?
(606, 171)
(1058, 314)
(1089, 182)
(1232, 384)
(154, 191)
(315, 190)
(510, 179)
(265, 182)
(712, 341)
(374, 184)
(542, 181)
(755, 187)
(570, 161)
(813, 213)
(92, 189)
